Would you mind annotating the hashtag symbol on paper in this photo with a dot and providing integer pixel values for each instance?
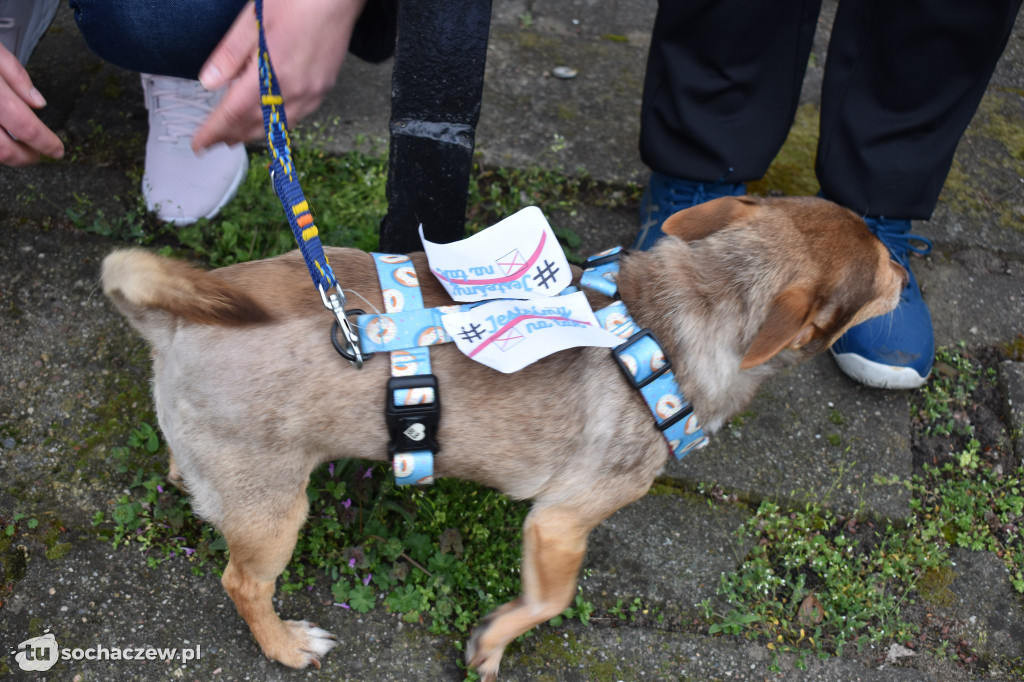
(545, 274)
(472, 334)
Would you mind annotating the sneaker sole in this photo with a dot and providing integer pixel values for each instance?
(181, 221)
(877, 375)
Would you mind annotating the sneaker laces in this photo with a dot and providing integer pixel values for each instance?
(900, 243)
(898, 240)
(677, 195)
(178, 114)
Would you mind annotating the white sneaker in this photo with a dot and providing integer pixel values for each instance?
(23, 23)
(178, 185)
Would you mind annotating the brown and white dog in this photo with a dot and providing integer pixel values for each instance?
(742, 287)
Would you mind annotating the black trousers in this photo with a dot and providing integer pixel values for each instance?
(902, 80)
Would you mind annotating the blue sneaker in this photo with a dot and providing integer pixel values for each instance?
(666, 196)
(894, 350)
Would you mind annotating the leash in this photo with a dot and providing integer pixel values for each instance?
(296, 207)
(413, 405)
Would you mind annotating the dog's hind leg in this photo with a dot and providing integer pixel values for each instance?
(260, 547)
(554, 541)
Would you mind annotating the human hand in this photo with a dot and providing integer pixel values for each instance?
(308, 41)
(23, 138)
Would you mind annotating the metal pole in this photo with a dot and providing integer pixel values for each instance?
(436, 88)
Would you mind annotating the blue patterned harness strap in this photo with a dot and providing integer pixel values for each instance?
(413, 403)
(643, 361)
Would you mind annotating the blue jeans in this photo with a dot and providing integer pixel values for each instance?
(162, 37)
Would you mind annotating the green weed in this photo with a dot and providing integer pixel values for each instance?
(347, 194)
(965, 504)
(818, 581)
(940, 402)
(815, 582)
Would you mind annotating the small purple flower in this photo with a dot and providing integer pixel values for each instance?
(347, 503)
(366, 580)
(188, 551)
(330, 469)
(344, 606)
(352, 562)
(159, 488)
(369, 473)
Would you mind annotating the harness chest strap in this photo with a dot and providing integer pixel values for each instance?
(642, 360)
(413, 402)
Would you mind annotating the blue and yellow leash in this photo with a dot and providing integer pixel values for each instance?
(296, 207)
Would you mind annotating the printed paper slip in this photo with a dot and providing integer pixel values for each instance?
(518, 257)
(509, 335)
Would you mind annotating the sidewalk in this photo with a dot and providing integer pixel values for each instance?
(68, 359)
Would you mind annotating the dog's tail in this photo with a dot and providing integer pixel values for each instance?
(154, 293)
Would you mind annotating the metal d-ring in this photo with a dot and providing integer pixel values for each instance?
(349, 347)
(355, 355)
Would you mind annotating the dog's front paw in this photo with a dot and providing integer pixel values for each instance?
(303, 644)
(482, 658)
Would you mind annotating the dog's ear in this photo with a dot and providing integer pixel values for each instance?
(789, 325)
(704, 219)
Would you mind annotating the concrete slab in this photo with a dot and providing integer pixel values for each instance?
(811, 434)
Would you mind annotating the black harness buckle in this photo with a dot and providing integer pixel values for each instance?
(412, 426)
(623, 347)
(596, 261)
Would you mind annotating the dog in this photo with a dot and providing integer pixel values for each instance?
(251, 396)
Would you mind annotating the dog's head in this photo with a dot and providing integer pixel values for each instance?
(751, 284)
(824, 269)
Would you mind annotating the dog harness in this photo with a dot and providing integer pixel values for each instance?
(406, 330)
(413, 401)
(643, 361)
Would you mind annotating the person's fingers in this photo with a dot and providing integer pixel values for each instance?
(236, 118)
(18, 80)
(309, 40)
(14, 153)
(233, 53)
(23, 137)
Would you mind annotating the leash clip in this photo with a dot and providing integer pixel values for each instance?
(349, 345)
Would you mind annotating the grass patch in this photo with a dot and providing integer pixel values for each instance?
(816, 582)
(348, 197)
